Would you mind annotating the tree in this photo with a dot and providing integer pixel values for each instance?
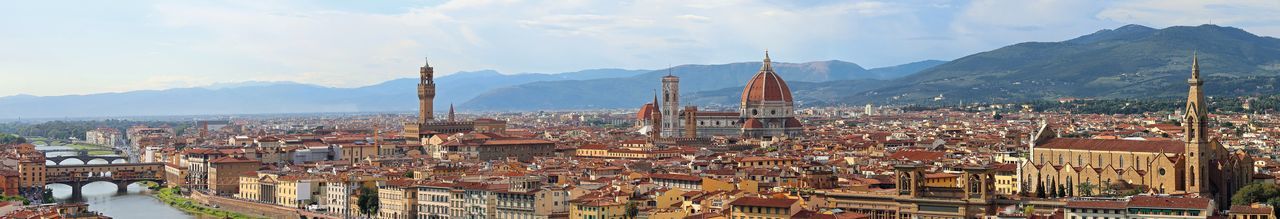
(632, 210)
(1085, 188)
(367, 201)
(1257, 193)
(1040, 193)
(47, 197)
(7, 139)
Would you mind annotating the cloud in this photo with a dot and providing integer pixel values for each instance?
(150, 45)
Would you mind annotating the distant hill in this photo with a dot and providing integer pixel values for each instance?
(632, 91)
(459, 87)
(1132, 61)
(277, 97)
(1127, 62)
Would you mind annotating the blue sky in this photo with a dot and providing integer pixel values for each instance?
(79, 47)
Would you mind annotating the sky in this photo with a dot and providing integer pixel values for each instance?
(56, 47)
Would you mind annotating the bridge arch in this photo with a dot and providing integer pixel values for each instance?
(98, 160)
(120, 174)
(68, 161)
(86, 160)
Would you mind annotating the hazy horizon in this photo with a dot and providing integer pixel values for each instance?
(61, 48)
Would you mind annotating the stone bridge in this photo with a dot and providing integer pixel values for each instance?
(48, 142)
(46, 151)
(112, 159)
(121, 174)
(84, 157)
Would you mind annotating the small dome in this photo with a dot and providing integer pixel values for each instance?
(793, 122)
(766, 85)
(646, 112)
(752, 123)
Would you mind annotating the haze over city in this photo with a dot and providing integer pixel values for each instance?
(63, 47)
(736, 109)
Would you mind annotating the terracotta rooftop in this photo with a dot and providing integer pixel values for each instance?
(675, 177)
(1168, 202)
(1249, 209)
(915, 155)
(232, 160)
(763, 202)
(1114, 145)
(1097, 204)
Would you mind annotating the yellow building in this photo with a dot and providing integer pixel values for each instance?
(32, 172)
(1254, 211)
(1007, 180)
(297, 191)
(941, 180)
(597, 208)
(396, 200)
(260, 187)
(763, 208)
(356, 152)
(766, 162)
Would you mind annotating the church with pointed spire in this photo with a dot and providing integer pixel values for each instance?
(767, 110)
(1197, 165)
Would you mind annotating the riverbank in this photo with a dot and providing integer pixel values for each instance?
(87, 146)
(171, 197)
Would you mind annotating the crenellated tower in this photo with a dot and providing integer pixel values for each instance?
(426, 93)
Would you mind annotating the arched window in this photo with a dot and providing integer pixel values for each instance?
(1060, 159)
(1079, 160)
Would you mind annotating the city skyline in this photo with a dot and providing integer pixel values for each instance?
(158, 45)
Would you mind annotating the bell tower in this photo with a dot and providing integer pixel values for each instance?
(670, 105)
(1196, 138)
(426, 93)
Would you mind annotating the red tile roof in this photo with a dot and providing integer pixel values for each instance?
(1092, 204)
(1248, 209)
(1169, 202)
(916, 155)
(675, 177)
(764, 202)
(232, 160)
(1150, 146)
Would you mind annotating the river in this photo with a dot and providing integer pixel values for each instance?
(102, 196)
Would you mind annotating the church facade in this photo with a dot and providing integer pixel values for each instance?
(766, 110)
(1196, 165)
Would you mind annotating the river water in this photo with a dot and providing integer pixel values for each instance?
(102, 196)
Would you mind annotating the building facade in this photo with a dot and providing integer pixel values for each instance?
(1197, 165)
(766, 110)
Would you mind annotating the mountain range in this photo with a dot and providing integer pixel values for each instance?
(624, 92)
(256, 97)
(1132, 61)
